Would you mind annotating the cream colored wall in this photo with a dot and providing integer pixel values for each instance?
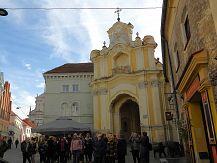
(17, 127)
(54, 97)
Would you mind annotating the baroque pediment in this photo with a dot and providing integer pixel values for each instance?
(120, 33)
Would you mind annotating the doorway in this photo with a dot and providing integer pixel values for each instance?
(130, 119)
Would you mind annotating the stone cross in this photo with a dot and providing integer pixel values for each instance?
(118, 12)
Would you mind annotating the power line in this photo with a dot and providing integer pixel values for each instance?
(82, 8)
(18, 107)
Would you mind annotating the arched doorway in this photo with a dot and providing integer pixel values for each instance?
(130, 119)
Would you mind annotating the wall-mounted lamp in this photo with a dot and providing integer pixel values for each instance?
(3, 12)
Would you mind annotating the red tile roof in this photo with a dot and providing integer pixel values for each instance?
(29, 122)
(72, 68)
(13, 114)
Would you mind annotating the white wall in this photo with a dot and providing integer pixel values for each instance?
(56, 99)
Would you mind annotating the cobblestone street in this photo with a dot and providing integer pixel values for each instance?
(15, 156)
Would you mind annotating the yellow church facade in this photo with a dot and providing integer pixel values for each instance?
(128, 85)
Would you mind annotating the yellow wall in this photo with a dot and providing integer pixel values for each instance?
(213, 107)
(197, 127)
(140, 83)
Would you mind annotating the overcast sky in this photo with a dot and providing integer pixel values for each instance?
(35, 41)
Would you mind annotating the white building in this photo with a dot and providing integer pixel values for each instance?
(37, 115)
(15, 127)
(27, 128)
(67, 93)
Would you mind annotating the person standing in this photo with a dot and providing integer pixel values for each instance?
(62, 147)
(26, 150)
(9, 143)
(88, 147)
(76, 148)
(56, 149)
(121, 149)
(16, 142)
(99, 149)
(144, 148)
(3, 146)
(111, 150)
(34, 147)
(50, 148)
(135, 142)
(42, 149)
(69, 154)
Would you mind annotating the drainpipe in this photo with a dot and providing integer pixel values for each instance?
(165, 49)
(164, 44)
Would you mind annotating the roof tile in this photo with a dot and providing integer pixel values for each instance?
(72, 68)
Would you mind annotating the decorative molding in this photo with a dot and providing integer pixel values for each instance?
(143, 84)
(155, 83)
(121, 69)
(74, 76)
(152, 126)
(101, 91)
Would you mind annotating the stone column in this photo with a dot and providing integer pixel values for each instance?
(96, 112)
(143, 106)
(157, 127)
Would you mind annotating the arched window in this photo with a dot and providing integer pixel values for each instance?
(75, 109)
(64, 108)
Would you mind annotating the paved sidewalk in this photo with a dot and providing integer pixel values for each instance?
(15, 156)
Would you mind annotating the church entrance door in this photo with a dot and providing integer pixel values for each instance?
(130, 119)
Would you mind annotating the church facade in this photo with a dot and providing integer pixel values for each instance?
(128, 85)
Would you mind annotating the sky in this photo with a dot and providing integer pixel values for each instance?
(35, 41)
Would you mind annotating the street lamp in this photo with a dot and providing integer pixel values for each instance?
(3, 12)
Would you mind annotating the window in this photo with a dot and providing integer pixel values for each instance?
(75, 88)
(177, 60)
(64, 107)
(187, 30)
(65, 88)
(75, 109)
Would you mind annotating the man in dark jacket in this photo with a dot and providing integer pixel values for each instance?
(3, 146)
(16, 143)
(144, 148)
(9, 143)
(99, 149)
(121, 149)
(26, 149)
(62, 147)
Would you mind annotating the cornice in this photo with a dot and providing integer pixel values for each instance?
(192, 69)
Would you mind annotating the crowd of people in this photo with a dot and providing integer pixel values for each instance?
(80, 148)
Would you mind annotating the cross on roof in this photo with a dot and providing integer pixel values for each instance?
(118, 12)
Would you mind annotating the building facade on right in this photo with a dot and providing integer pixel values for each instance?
(189, 48)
